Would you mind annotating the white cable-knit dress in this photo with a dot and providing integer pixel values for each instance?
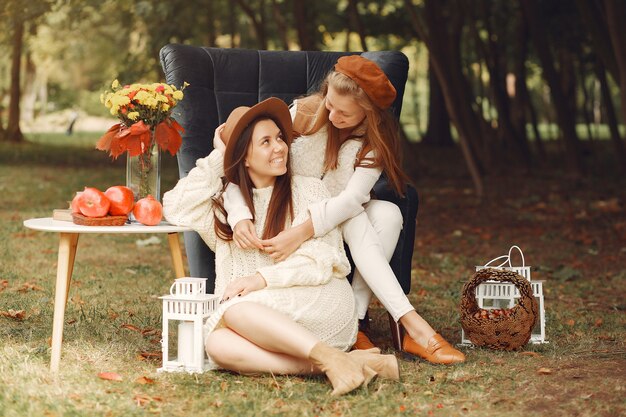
(309, 286)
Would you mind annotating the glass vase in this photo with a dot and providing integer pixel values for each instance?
(143, 173)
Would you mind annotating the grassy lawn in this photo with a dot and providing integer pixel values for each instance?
(573, 233)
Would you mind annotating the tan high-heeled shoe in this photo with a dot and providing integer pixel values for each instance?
(438, 350)
(386, 366)
(344, 372)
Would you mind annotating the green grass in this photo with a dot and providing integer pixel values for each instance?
(116, 282)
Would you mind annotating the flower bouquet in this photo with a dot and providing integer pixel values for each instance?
(146, 128)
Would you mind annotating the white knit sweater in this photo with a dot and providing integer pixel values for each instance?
(309, 286)
(349, 186)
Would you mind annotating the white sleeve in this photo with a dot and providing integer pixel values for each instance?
(331, 212)
(189, 202)
(235, 205)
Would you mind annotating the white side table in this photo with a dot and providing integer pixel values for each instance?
(68, 241)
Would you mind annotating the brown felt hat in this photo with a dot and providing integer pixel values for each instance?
(369, 77)
(241, 117)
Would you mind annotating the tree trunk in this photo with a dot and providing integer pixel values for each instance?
(232, 24)
(258, 23)
(444, 51)
(586, 106)
(593, 17)
(303, 24)
(438, 129)
(616, 16)
(618, 146)
(29, 95)
(497, 81)
(13, 132)
(281, 26)
(565, 118)
(210, 13)
(356, 23)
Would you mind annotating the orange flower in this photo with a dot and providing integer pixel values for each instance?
(168, 137)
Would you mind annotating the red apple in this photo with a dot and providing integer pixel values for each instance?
(121, 198)
(93, 203)
(148, 211)
(74, 205)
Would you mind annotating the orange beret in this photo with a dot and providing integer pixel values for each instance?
(369, 77)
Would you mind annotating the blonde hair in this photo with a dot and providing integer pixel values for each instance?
(382, 134)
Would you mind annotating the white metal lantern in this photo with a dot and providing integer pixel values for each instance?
(494, 295)
(190, 305)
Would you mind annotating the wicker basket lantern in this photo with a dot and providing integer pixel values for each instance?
(507, 331)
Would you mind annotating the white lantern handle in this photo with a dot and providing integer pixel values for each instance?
(507, 258)
(520, 252)
(499, 257)
(172, 289)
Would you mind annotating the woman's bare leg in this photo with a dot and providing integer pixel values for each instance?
(274, 332)
(236, 353)
(270, 329)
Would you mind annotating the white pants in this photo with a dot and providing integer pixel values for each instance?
(372, 237)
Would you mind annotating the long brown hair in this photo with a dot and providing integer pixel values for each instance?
(280, 208)
(382, 135)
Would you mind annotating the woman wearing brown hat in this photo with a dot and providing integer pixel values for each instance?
(347, 137)
(291, 317)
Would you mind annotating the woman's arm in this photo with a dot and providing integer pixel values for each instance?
(189, 202)
(315, 262)
(330, 213)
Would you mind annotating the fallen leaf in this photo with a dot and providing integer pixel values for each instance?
(131, 327)
(77, 300)
(148, 331)
(570, 322)
(607, 206)
(530, 353)
(4, 284)
(70, 321)
(27, 286)
(544, 371)
(14, 314)
(144, 380)
(110, 376)
(141, 399)
(113, 315)
(151, 355)
(224, 385)
(598, 322)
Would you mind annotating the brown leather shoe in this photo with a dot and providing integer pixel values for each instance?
(437, 351)
(363, 342)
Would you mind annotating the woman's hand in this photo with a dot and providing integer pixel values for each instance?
(244, 235)
(286, 242)
(218, 142)
(244, 285)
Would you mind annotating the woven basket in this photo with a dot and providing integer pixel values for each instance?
(504, 332)
(78, 218)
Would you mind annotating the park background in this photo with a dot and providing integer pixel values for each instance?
(513, 133)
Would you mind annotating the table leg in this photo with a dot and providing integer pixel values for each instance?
(65, 265)
(177, 254)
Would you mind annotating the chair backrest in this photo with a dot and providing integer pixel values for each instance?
(223, 79)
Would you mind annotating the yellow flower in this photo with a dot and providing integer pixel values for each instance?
(177, 95)
(142, 97)
(115, 84)
(165, 107)
(133, 115)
